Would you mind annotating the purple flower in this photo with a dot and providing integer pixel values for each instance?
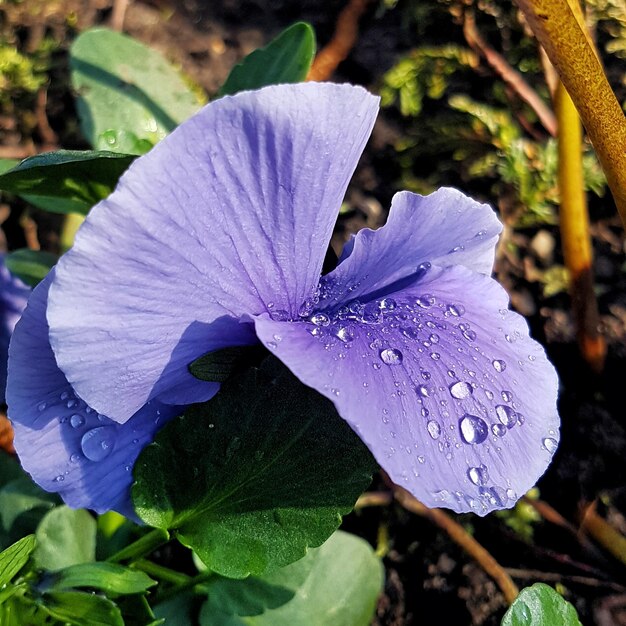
(216, 238)
(13, 296)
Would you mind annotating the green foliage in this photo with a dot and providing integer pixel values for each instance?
(13, 559)
(540, 605)
(129, 97)
(267, 469)
(286, 59)
(31, 266)
(522, 517)
(18, 73)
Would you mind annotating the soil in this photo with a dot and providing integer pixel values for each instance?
(430, 580)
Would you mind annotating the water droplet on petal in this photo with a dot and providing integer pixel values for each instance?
(478, 475)
(59, 479)
(387, 304)
(42, 406)
(473, 429)
(499, 430)
(435, 356)
(75, 458)
(77, 420)
(422, 390)
(507, 396)
(98, 443)
(506, 415)
(391, 356)
(271, 345)
(345, 334)
(550, 444)
(498, 365)
(455, 309)
(434, 430)
(460, 390)
(320, 319)
(425, 301)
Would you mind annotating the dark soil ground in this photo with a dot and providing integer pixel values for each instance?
(430, 580)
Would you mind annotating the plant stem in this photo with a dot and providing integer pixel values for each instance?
(574, 223)
(559, 27)
(143, 546)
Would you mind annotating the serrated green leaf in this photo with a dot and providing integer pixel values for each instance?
(286, 59)
(80, 178)
(252, 478)
(218, 366)
(65, 537)
(336, 584)
(79, 608)
(13, 559)
(108, 577)
(22, 495)
(30, 266)
(540, 605)
(125, 87)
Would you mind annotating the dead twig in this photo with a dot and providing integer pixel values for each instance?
(345, 36)
(49, 137)
(587, 581)
(118, 14)
(460, 536)
(509, 75)
(608, 537)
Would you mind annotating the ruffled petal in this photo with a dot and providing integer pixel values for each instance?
(444, 228)
(229, 215)
(443, 384)
(64, 444)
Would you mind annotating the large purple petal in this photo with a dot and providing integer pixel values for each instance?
(65, 445)
(442, 383)
(13, 297)
(229, 215)
(444, 228)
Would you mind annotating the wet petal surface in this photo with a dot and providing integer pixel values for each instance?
(441, 382)
(229, 215)
(64, 444)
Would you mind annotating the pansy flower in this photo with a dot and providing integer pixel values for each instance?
(217, 238)
(13, 297)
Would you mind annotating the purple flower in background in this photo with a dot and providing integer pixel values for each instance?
(216, 238)
(13, 297)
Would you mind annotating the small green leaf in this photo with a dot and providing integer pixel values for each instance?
(127, 88)
(336, 584)
(254, 477)
(286, 59)
(22, 495)
(13, 559)
(79, 608)
(108, 577)
(540, 605)
(218, 366)
(66, 181)
(31, 266)
(65, 537)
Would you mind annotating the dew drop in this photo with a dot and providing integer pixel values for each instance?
(65, 395)
(473, 429)
(425, 301)
(387, 304)
(98, 443)
(470, 335)
(75, 458)
(391, 356)
(499, 430)
(320, 319)
(271, 345)
(489, 394)
(434, 430)
(59, 479)
(478, 475)
(460, 390)
(498, 365)
(550, 444)
(507, 396)
(42, 406)
(506, 415)
(434, 338)
(77, 420)
(422, 390)
(435, 356)
(455, 309)
(345, 334)
(425, 375)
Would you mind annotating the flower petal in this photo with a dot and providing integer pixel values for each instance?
(444, 228)
(13, 297)
(65, 445)
(441, 382)
(230, 214)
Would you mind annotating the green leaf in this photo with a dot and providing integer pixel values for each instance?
(218, 366)
(81, 178)
(125, 87)
(336, 584)
(79, 608)
(252, 478)
(286, 59)
(31, 266)
(22, 495)
(7, 164)
(65, 537)
(10, 470)
(178, 610)
(540, 605)
(13, 559)
(108, 577)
